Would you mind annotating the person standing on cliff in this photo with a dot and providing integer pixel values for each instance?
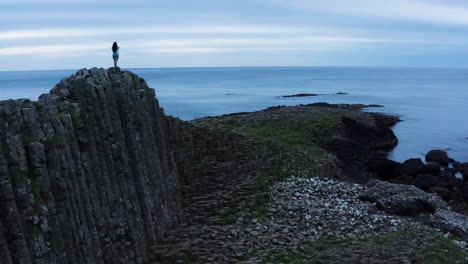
(115, 53)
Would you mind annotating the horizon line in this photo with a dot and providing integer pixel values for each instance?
(278, 66)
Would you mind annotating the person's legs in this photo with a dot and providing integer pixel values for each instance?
(115, 61)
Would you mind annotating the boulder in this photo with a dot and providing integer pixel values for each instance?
(456, 184)
(385, 168)
(441, 191)
(458, 166)
(411, 167)
(446, 175)
(401, 199)
(439, 156)
(465, 192)
(464, 170)
(426, 181)
(449, 221)
(431, 168)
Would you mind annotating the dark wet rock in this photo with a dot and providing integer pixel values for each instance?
(456, 184)
(439, 156)
(385, 168)
(401, 199)
(431, 168)
(441, 191)
(447, 174)
(323, 104)
(411, 167)
(458, 166)
(465, 192)
(341, 93)
(426, 181)
(464, 170)
(299, 95)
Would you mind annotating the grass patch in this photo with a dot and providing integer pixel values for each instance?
(418, 244)
(444, 251)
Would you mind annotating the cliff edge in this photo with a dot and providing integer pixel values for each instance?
(85, 172)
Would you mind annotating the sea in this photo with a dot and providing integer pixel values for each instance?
(432, 102)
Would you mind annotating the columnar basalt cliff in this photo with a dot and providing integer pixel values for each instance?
(85, 172)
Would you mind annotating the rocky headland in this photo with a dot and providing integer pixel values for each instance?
(95, 172)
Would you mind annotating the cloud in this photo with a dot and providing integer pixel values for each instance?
(89, 32)
(413, 10)
(204, 45)
(51, 49)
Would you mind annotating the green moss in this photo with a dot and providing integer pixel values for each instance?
(28, 139)
(55, 142)
(53, 242)
(134, 83)
(36, 190)
(299, 132)
(75, 118)
(38, 106)
(226, 221)
(31, 231)
(62, 118)
(180, 149)
(17, 174)
(140, 121)
(12, 161)
(27, 101)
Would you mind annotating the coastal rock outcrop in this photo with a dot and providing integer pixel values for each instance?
(85, 172)
(411, 167)
(439, 156)
(401, 199)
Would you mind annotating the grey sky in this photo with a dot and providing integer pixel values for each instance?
(59, 34)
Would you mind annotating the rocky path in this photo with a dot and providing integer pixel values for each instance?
(214, 207)
(302, 215)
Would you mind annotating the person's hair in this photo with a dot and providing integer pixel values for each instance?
(114, 47)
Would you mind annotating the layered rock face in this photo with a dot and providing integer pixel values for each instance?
(85, 172)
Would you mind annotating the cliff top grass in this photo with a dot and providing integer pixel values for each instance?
(298, 128)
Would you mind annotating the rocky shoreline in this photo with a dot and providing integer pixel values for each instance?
(95, 171)
(438, 175)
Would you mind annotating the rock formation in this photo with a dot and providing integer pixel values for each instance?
(85, 172)
(94, 172)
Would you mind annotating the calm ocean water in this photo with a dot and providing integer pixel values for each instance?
(432, 102)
